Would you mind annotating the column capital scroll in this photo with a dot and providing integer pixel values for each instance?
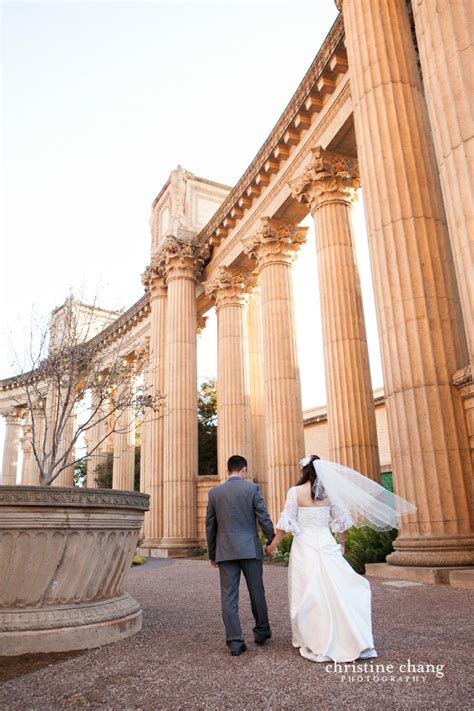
(330, 176)
(181, 259)
(153, 279)
(275, 241)
(228, 287)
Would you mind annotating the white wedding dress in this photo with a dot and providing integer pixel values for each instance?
(330, 604)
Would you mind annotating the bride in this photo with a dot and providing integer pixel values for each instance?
(329, 602)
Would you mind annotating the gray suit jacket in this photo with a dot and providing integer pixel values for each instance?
(231, 521)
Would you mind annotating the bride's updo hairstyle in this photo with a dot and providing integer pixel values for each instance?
(308, 473)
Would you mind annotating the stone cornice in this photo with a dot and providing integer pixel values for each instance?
(330, 176)
(229, 287)
(282, 179)
(275, 149)
(72, 497)
(274, 241)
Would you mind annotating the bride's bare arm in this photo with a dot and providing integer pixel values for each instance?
(279, 536)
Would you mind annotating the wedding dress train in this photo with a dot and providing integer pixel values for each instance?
(330, 604)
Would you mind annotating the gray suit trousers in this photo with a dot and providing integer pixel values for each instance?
(229, 571)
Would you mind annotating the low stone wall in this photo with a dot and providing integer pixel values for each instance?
(203, 484)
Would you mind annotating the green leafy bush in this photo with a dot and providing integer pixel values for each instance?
(364, 545)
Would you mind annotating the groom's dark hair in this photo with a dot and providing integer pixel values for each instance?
(236, 463)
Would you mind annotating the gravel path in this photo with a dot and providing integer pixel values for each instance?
(180, 661)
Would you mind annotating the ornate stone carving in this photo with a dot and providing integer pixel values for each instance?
(181, 258)
(201, 324)
(142, 353)
(66, 554)
(14, 415)
(153, 279)
(274, 241)
(229, 287)
(45, 496)
(329, 175)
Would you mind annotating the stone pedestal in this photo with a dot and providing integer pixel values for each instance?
(153, 431)
(65, 553)
(274, 246)
(445, 43)
(11, 448)
(328, 186)
(181, 263)
(422, 338)
(257, 390)
(228, 289)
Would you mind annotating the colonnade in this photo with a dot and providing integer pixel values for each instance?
(414, 142)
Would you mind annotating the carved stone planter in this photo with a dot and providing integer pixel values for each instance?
(64, 553)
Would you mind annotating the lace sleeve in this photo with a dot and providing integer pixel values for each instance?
(339, 519)
(288, 520)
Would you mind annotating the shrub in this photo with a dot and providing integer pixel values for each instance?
(364, 545)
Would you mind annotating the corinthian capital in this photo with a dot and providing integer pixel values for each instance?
(181, 258)
(329, 176)
(153, 279)
(274, 241)
(229, 287)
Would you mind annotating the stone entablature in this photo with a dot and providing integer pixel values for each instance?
(184, 205)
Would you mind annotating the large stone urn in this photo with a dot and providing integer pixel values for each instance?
(64, 554)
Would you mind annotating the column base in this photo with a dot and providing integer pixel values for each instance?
(175, 548)
(433, 551)
(453, 576)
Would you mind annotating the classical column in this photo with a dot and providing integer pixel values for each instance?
(26, 445)
(66, 477)
(228, 289)
(11, 448)
(182, 263)
(38, 431)
(123, 474)
(97, 444)
(417, 302)
(273, 247)
(445, 44)
(153, 426)
(257, 390)
(329, 186)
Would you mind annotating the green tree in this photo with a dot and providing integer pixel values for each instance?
(207, 427)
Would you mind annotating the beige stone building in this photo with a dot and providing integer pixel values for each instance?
(385, 105)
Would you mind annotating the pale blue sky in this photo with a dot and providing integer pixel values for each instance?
(101, 100)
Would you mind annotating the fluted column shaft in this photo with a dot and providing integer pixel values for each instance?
(274, 246)
(38, 426)
(26, 470)
(180, 426)
(11, 447)
(153, 431)
(123, 474)
(417, 302)
(96, 440)
(328, 186)
(257, 390)
(233, 407)
(445, 43)
(66, 477)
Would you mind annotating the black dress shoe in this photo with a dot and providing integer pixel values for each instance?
(236, 648)
(261, 639)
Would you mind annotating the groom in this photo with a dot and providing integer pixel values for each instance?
(234, 546)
